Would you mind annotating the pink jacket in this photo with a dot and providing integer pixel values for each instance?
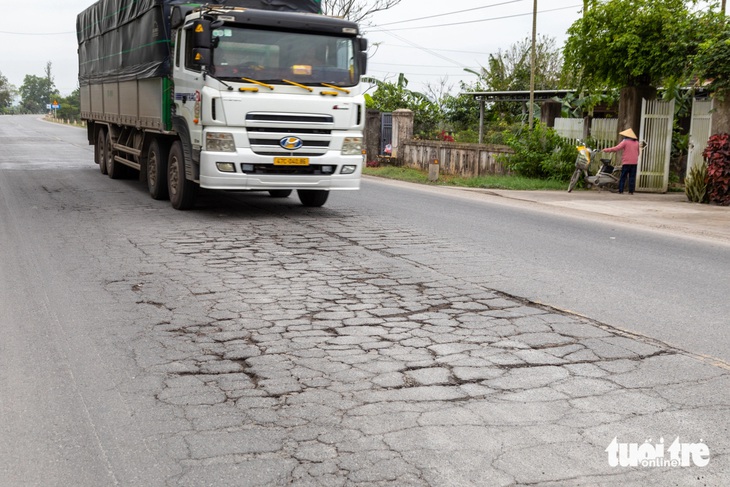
(631, 151)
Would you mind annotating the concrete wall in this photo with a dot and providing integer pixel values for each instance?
(721, 116)
(466, 160)
(402, 129)
(372, 135)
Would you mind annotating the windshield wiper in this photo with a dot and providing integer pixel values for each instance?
(299, 85)
(338, 88)
(260, 83)
(206, 73)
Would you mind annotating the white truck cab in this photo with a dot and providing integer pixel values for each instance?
(270, 103)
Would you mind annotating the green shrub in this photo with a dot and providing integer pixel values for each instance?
(695, 186)
(717, 155)
(540, 153)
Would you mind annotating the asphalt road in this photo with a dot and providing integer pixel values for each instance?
(393, 337)
(656, 284)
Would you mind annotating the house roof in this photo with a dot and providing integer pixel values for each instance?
(540, 95)
(545, 95)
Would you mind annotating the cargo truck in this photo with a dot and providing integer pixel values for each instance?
(231, 95)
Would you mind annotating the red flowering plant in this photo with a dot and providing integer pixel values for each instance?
(717, 155)
(446, 137)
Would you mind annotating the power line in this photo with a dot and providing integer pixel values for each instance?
(372, 62)
(37, 33)
(441, 50)
(424, 49)
(478, 21)
(411, 74)
(452, 13)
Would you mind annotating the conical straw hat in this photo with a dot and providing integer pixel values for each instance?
(628, 133)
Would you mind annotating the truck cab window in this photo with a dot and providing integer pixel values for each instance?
(271, 56)
(177, 48)
(189, 57)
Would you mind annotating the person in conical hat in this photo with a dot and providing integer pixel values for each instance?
(629, 159)
(629, 133)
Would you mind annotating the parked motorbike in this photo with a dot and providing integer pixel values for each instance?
(607, 176)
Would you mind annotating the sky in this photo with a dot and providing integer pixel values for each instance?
(451, 35)
(457, 34)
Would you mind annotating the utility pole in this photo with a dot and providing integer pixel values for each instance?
(531, 112)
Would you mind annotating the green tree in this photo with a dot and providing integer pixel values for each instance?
(510, 71)
(36, 92)
(7, 92)
(619, 43)
(462, 112)
(712, 63)
(391, 96)
(70, 106)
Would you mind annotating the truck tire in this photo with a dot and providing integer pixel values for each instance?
(313, 197)
(279, 193)
(114, 169)
(182, 190)
(574, 179)
(157, 170)
(101, 151)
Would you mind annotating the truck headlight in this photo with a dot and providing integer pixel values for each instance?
(352, 146)
(219, 142)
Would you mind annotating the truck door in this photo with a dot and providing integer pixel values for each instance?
(188, 87)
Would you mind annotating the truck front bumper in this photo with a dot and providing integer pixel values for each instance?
(245, 170)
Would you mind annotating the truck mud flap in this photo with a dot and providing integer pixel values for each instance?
(192, 157)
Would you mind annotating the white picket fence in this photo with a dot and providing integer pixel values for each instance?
(603, 130)
(569, 128)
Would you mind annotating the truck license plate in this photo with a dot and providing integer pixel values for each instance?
(291, 161)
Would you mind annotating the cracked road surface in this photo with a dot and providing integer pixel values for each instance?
(254, 342)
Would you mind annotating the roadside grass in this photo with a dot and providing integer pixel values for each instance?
(493, 182)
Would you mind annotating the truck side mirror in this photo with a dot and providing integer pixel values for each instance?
(363, 54)
(201, 57)
(201, 38)
(202, 34)
(363, 58)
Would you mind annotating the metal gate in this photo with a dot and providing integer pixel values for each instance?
(657, 119)
(386, 133)
(699, 131)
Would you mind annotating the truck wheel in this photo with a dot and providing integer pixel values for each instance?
(279, 193)
(157, 171)
(114, 169)
(182, 191)
(100, 155)
(313, 197)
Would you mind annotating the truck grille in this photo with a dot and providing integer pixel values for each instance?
(265, 131)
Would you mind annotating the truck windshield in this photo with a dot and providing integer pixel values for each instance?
(272, 56)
